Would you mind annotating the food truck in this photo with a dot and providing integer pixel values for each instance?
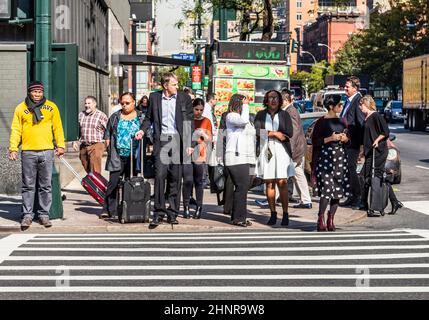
(248, 68)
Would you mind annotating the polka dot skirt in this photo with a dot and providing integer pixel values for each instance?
(332, 173)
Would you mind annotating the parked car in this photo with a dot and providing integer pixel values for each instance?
(300, 105)
(393, 162)
(379, 103)
(393, 111)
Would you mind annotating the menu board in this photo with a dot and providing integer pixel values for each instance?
(252, 71)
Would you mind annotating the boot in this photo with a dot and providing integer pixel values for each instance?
(285, 219)
(273, 219)
(321, 227)
(198, 212)
(330, 222)
(186, 213)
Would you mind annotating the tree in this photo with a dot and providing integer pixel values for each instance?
(346, 61)
(314, 80)
(392, 36)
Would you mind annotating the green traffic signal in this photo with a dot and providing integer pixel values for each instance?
(295, 46)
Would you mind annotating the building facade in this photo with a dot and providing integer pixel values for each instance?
(95, 28)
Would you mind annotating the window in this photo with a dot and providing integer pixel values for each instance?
(299, 3)
(299, 16)
(5, 9)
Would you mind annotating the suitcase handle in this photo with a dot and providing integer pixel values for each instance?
(68, 165)
(141, 158)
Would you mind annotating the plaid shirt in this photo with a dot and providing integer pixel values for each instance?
(92, 127)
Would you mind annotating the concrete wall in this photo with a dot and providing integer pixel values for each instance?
(13, 88)
(93, 82)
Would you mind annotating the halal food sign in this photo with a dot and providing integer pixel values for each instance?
(261, 51)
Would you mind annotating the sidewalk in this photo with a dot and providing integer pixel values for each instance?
(81, 216)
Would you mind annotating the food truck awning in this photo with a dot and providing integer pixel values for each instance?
(148, 60)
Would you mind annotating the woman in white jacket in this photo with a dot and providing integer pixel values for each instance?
(240, 155)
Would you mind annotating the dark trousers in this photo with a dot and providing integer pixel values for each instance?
(352, 158)
(193, 175)
(111, 204)
(167, 188)
(240, 178)
(380, 163)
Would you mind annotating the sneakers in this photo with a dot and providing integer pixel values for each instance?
(26, 222)
(44, 221)
(303, 206)
(261, 203)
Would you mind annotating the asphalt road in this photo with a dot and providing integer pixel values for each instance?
(413, 190)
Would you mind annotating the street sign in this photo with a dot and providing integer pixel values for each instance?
(184, 56)
(197, 74)
(201, 42)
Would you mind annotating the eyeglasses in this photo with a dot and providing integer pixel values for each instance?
(273, 98)
(125, 103)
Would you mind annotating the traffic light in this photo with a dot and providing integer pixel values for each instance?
(295, 46)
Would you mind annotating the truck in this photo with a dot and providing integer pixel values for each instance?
(415, 93)
(248, 68)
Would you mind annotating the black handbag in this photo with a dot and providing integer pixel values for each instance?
(219, 178)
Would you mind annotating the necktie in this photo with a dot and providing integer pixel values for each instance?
(343, 113)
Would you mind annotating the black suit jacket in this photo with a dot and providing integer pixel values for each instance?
(355, 120)
(184, 119)
(285, 127)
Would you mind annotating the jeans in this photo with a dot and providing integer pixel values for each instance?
(37, 170)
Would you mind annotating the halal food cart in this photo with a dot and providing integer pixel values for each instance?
(247, 68)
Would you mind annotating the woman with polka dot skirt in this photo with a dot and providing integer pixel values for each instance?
(329, 163)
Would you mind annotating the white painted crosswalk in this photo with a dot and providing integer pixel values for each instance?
(390, 262)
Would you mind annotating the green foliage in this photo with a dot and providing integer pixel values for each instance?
(314, 80)
(180, 72)
(392, 37)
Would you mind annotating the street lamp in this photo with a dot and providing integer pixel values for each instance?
(330, 49)
(315, 61)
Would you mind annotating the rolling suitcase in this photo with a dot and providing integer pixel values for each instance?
(134, 204)
(94, 183)
(378, 194)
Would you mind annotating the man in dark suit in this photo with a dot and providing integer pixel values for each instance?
(355, 121)
(171, 115)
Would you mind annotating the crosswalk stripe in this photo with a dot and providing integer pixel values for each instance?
(242, 249)
(217, 289)
(217, 277)
(10, 243)
(217, 267)
(247, 236)
(219, 242)
(216, 258)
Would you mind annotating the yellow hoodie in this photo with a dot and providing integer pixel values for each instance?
(36, 137)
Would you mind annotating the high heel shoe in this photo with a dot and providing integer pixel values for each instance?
(330, 223)
(273, 219)
(395, 207)
(321, 227)
(198, 212)
(186, 213)
(285, 219)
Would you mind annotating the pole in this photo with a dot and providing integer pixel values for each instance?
(42, 43)
(42, 60)
(223, 24)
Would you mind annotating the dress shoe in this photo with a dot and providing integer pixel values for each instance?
(321, 227)
(395, 207)
(186, 213)
(358, 205)
(155, 223)
(198, 212)
(273, 219)
(285, 219)
(303, 206)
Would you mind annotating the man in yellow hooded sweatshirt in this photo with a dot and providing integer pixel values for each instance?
(36, 123)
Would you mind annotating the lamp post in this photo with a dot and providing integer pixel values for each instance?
(315, 61)
(329, 48)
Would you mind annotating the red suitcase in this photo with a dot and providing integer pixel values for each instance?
(94, 183)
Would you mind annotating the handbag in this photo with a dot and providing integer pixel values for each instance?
(219, 178)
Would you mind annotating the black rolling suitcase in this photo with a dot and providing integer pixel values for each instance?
(378, 194)
(134, 204)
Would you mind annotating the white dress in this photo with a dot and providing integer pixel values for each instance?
(281, 165)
